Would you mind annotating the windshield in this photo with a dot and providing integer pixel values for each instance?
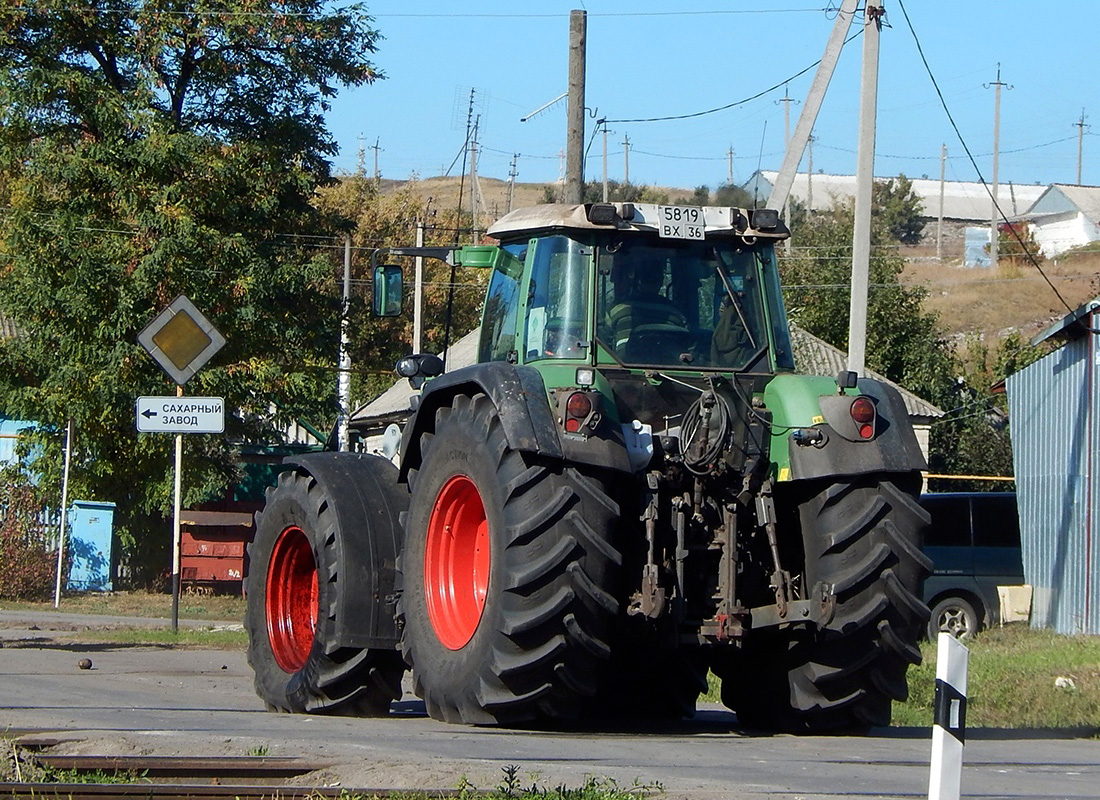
(681, 304)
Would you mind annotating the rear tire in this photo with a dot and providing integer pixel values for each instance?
(645, 681)
(507, 575)
(863, 538)
(292, 613)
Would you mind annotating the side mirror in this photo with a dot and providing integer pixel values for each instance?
(388, 290)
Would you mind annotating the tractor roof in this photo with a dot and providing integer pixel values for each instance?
(637, 217)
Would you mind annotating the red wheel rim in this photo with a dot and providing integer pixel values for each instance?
(291, 599)
(456, 562)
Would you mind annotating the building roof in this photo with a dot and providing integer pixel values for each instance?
(1073, 325)
(962, 201)
(1059, 198)
(812, 355)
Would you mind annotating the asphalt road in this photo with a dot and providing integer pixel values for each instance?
(201, 702)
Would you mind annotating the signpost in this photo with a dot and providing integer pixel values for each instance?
(181, 415)
(181, 340)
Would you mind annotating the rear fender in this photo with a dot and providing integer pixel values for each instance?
(520, 397)
(368, 502)
(796, 403)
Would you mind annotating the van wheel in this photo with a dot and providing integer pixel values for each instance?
(955, 616)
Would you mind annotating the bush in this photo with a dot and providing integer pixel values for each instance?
(27, 555)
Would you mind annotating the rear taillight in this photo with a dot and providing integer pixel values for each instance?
(577, 409)
(863, 414)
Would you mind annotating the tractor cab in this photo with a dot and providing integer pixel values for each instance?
(635, 285)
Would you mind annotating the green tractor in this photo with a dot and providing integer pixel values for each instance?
(629, 488)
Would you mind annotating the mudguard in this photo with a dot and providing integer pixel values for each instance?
(368, 502)
(804, 402)
(519, 394)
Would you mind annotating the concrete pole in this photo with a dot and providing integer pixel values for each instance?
(512, 173)
(64, 512)
(810, 174)
(603, 122)
(376, 148)
(626, 158)
(343, 379)
(574, 141)
(812, 105)
(939, 226)
(729, 176)
(786, 101)
(475, 193)
(995, 217)
(865, 175)
(418, 286)
(1080, 143)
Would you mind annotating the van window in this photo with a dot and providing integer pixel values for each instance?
(950, 526)
(996, 523)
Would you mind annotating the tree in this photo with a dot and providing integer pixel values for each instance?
(903, 342)
(898, 207)
(151, 148)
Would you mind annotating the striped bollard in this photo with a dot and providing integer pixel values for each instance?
(949, 724)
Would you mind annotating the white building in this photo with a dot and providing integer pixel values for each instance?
(962, 201)
(1063, 217)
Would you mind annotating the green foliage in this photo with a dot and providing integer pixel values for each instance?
(898, 208)
(28, 557)
(389, 220)
(733, 196)
(1015, 242)
(973, 436)
(618, 192)
(146, 154)
(903, 342)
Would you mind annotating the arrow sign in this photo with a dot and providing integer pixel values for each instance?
(181, 415)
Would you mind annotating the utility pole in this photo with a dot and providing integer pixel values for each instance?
(574, 159)
(939, 226)
(418, 291)
(865, 173)
(603, 122)
(809, 174)
(343, 381)
(1080, 143)
(475, 185)
(626, 158)
(786, 101)
(512, 173)
(808, 117)
(994, 234)
(376, 148)
(729, 175)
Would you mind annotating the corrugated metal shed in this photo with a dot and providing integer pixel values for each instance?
(962, 200)
(1054, 406)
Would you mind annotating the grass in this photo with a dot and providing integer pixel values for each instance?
(193, 605)
(1010, 682)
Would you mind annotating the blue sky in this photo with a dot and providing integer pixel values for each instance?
(651, 59)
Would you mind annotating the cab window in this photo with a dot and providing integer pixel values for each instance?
(556, 325)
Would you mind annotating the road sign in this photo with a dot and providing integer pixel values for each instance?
(181, 339)
(181, 415)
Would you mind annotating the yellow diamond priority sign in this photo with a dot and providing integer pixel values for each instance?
(181, 339)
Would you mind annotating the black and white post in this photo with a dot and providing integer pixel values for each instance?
(949, 723)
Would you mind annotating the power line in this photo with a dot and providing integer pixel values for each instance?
(974, 163)
(728, 106)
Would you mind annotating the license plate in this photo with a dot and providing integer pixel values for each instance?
(680, 222)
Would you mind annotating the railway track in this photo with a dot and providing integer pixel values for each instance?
(176, 778)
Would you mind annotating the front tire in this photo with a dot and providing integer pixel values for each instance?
(507, 575)
(292, 612)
